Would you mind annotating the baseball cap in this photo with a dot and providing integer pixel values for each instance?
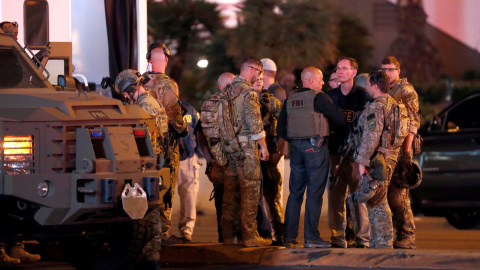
(268, 64)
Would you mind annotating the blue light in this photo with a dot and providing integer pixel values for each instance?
(96, 134)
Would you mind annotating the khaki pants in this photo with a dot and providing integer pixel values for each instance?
(348, 181)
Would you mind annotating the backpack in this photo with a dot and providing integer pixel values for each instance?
(219, 122)
(399, 115)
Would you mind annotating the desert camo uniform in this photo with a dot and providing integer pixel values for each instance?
(371, 125)
(242, 175)
(398, 198)
(159, 86)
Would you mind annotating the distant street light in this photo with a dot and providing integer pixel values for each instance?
(202, 63)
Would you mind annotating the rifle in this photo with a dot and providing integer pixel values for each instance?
(347, 148)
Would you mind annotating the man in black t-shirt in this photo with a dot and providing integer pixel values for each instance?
(351, 99)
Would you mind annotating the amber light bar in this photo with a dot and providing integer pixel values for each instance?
(18, 154)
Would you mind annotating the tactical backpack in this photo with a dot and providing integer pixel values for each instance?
(399, 114)
(219, 123)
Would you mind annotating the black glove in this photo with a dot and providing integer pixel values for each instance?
(265, 97)
(167, 198)
(209, 168)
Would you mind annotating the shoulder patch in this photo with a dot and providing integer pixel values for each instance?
(372, 125)
(370, 117)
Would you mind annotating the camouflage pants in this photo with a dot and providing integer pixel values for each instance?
(380, 216)
(381, 225)
(152, 220)
(399, 202)
(348, 181)
(241, 195)
(166, 215)
(272, 191)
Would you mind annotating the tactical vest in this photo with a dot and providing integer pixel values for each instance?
(396, 92)
(303, 122)
(395, 128)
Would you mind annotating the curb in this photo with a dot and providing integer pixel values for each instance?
(212, 254)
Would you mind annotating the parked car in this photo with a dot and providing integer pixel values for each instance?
(450, 161)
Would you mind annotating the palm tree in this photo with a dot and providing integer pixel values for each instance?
(294, 33)
(186, 26)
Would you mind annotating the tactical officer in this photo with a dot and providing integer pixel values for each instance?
(166, 92)
(271, 86)
(130, 83)
(271, 177)
(188, 183)
(403, 92)
(242, 175)
(215, 172)
(377, 151)
(351, 99)
(269, 83)
(303, 123)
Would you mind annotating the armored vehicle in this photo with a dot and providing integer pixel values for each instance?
(66, 156)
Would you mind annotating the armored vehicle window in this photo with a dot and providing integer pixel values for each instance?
(465, 116)
(15, 72)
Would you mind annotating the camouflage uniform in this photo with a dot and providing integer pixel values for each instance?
(147, 102)
(160, 218)
(371, 124)
(272, 178)
(398, 198)
(242, 175)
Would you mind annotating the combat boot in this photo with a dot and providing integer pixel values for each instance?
(405, 243)
(7, 260)
(18, 251)
(257, 241)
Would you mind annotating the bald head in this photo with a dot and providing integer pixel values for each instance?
(312, 78)
(224, 79)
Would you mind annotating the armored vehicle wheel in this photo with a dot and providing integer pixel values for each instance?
(464, 219)
(119, 247)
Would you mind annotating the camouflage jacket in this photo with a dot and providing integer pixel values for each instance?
(247, 111)
(404, 93)
(371, 126)
(147, 102)
(166, 91)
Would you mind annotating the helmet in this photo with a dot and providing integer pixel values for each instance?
(126, 79)
(409, 179)
(379, 169)
(366, 189)
(361, 80)
(268, 64)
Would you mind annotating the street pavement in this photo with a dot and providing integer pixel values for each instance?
(439, 245)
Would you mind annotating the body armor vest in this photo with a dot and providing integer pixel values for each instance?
(303, 122)
(396, 90)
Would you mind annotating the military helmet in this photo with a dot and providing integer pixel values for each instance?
(126, 80)
(409, 179)
(366, 189)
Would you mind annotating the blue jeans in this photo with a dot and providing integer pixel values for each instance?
(309, 170)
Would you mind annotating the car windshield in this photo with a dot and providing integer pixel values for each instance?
(15, 72)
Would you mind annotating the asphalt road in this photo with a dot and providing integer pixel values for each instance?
(433, 233)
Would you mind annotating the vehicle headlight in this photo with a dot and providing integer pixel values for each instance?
(17, 154)
(43, 188)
